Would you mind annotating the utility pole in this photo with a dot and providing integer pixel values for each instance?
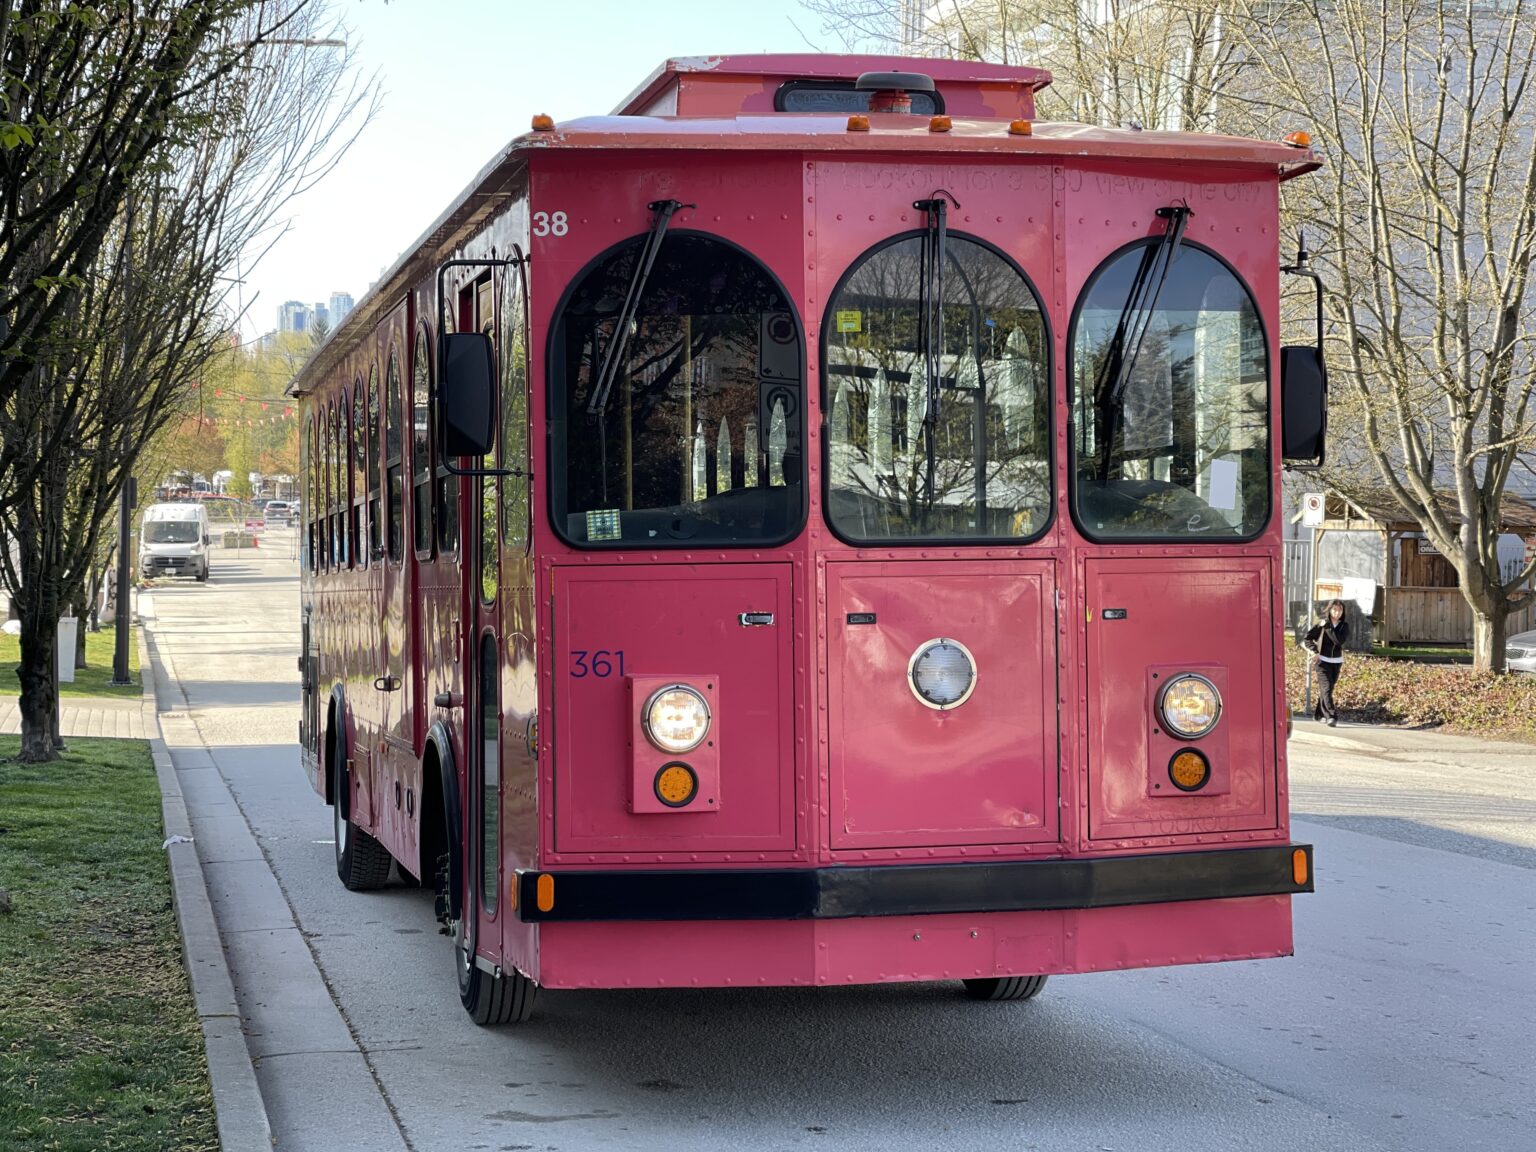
(127, 499)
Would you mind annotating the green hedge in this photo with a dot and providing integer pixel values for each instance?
(1374, 690)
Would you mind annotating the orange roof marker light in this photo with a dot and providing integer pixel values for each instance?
(1299, 139)
(1021, 128)
(858, 123)
(940, 124)
(543, 123)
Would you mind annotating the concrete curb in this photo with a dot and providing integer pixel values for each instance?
(238, 1105)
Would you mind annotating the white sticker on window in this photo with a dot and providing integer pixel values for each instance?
(1223, 485)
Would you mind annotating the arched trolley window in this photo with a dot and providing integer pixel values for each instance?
(699, 439)
(965, 457)
(1172, 429)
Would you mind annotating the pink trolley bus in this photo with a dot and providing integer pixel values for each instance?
(817, 525)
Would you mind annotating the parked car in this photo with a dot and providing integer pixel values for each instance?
(1520, 653)
(280, 512)
(174, 540)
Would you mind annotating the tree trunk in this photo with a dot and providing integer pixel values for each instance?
(1488, 630)
(37, 704)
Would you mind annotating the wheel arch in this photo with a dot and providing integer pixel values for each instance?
(442, 826)
(337, 720)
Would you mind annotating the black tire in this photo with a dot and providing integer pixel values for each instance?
(202, 577)
(1005, 987)
(362, 862)
(489, 999)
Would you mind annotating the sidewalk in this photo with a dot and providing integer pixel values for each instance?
(1426, 743)
(123, 717)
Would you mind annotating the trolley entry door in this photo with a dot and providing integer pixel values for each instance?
(904, 773)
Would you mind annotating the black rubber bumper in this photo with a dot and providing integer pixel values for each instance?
(912, 889)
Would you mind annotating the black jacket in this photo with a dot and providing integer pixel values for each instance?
(1327, 639)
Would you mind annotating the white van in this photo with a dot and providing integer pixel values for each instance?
(174, 541)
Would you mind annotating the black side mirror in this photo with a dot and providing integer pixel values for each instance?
(1304, 384)
(1303, 406)
(466, 393)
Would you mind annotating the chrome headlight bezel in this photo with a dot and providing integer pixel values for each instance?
(660, 743)
(1181, 731)
(922, 650)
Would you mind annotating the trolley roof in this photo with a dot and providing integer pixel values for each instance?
(817, 133)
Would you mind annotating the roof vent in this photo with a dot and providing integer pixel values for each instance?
(892, 91)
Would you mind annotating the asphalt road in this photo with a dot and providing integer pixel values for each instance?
(1404, 1022)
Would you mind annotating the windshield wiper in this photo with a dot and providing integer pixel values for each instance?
(613, 356)
(931, 305)
(1135, 319)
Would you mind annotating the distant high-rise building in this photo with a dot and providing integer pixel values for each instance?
(293, 316)
(320, 315)
(341, 304)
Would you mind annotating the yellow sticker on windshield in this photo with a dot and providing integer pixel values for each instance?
(604, 524)
(850, 321)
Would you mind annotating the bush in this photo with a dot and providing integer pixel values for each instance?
(1374, 690)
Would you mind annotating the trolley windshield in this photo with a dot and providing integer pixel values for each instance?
(697, 438)
(965, 456)
(1175, 445)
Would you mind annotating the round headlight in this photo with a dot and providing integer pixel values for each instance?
(1190, 706)
(676, 718)
(942, 673)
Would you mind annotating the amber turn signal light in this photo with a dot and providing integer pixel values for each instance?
(545, 892)
(940, 124)
(1021, 128)
(1299, 870)
(858, 123)
(1189, 770)
(1299, 139)
(676, 784)
(543, 123)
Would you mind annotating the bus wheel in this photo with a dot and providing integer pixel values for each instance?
(1005, 987)
(361, 861)
(488, 998)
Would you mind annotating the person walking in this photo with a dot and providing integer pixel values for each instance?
(1326, 643)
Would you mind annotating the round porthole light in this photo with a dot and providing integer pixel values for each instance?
(942, 673)
(1189, 706)
(676, 718)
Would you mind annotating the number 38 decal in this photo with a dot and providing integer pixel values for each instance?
(550, 224)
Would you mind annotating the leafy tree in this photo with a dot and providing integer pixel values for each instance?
(146, 144)
(1425, 218)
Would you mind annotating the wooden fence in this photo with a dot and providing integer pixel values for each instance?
(1437, 616)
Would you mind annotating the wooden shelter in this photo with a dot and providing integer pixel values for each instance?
(1418, 600)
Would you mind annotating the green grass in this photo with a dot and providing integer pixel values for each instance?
(1429, 652)
(100, 1047)
(93, 680)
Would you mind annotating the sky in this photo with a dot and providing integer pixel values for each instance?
(461, 78)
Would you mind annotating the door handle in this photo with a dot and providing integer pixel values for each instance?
(386, 683)
(448, 700)
(755, 619)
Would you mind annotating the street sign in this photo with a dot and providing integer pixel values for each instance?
(1311, 509)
